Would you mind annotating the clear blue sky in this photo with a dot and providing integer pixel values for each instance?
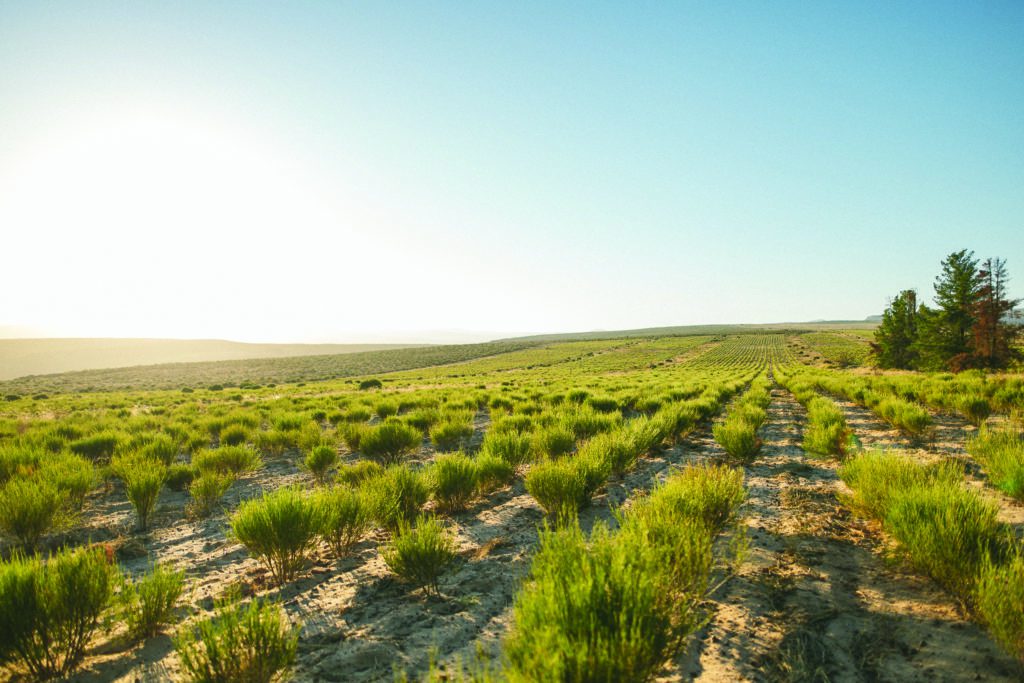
(335, 171)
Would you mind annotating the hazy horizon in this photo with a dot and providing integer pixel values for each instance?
(359, 173)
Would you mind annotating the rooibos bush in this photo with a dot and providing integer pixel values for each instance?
(356, 473)
(449, 435)
(280, 529)
(999, 598)
(320, 460)
(143, 480)
(254, 643)
(1001, 453)
(396, 496)
(344, 518)
(29, 509)
(554, 441)
(51, 609)
(558, 486)
(511, 446)
(453, 481)
(390, 441)
(233, 460)
(206, 490)
(419, 553)
(492, 472)
(148, 604)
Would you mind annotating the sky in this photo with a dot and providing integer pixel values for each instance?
(376, 171)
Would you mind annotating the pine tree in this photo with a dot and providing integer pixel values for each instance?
(945, 338)
(895, 344)
(992, 335)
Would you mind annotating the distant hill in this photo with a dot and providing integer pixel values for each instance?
(686, 330)
(21, 357)
(261, 371)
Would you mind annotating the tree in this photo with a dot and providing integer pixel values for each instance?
(993, 336)
(945, 338)
(895, 344)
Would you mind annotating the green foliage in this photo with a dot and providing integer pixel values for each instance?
(947, 532)
(206, 490)
(161, 448)
(419, 554)
(492, 472)
(234, 435)
(511, 446)
(396, 496)
(344, 518)
(96, 447)
(453, 481)
(905, 415)
(1001, 453)
(390, 441)
(999, 598)
(712, 494)
(738, 438)
(148, 604)
(143, 479)
(826, 431)
(558, 486)
(554, 441)
(51, 609)
(30, 508)
(233, 460)
(179, 476)
(976, 409)
(320, 460)
(358, 472)
(254, 643)
(280, 529)
(895, 344)
(876, 476)
(450, 434)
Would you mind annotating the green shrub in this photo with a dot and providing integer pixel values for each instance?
(976, 409)
(358, 472)
(826, 430)
(206, 490)
(947, 532)
(233, 460)
(143, 480)
(396, 496)
(344, 518)
(275, 442)
(161, 448)
(179, 476)
(15, 460)
(554, 441)
(254, 643)
(712, 494)
(738, 438)
(1001, 453)
(72, 475)
(603, 611)
(511, 446)
(558, 486)
(390, 441)
(492, 472)
(351, 434)
(449, 435)
(423, 419)
(453, 481)
(96, 447)
(234, 435)
(50, 610)
(148, 604)
(370, 384)
(385, 409)
(280, 529)
(999, 598)
(30, 508)
(617, 449)
(320, 460)
(418, 554)
(875, 476)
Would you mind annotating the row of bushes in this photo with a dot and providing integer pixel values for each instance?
(947, 531)
(826, 432)
(615, 606)
(1001, 453)
(737, 433)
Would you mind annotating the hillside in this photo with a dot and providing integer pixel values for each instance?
(21, 357)
(686, 330)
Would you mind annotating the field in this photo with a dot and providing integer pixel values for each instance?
(716, 507)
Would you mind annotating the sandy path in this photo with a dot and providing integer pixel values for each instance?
(814, 601)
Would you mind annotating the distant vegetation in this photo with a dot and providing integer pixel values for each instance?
(262, 371)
